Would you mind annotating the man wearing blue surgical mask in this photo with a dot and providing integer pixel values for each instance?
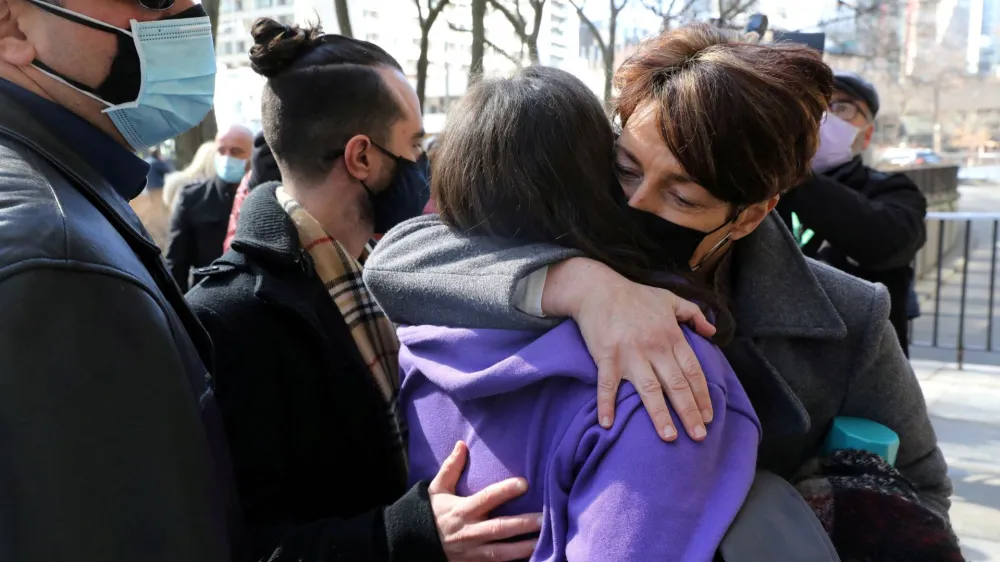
(862, 221)
(112, 446)
(201, 216)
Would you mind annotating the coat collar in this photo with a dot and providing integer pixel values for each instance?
(264, 229)
(18, 123)
(775, 293)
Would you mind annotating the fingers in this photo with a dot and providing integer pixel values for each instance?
(504, 552)
(609, 376)
(644, 380)
(494, 496)
(689, 313)
(695, 376)
(502, 528)
(451, 471)
(681, 397)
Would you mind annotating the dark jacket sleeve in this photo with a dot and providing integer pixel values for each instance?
(880, 230)
(248, 369)
(105, 457)
(181, 247)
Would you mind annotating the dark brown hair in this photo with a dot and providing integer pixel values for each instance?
(321, 90)
(742, 118)
(531, 158)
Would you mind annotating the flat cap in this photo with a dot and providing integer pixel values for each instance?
(857, 87)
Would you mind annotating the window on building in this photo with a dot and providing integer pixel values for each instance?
(263, 3)
(227, 48)
(557, 31)
(238, 5)
(285, 19)
(372, 37)
(370, 14)
(241, 47)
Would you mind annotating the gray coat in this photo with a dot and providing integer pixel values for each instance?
(812, 343)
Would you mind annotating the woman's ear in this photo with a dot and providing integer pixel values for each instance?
(752, 216)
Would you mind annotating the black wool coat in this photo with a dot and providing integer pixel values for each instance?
(310, 442)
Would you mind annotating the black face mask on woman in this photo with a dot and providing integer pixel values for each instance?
(406, 195)
(677, 244)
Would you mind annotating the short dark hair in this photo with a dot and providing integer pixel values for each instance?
(531, 158)
(321, 90)
(741, 117)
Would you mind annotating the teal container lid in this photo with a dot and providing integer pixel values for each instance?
(862, 434)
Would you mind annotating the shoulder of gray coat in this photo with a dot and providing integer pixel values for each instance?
(860, 303)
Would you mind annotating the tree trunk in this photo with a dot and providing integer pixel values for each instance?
(609, 55)
(422, 64)
(187, 143)
(478, 40)
(344, 18)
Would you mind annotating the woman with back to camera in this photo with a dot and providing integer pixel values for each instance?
(488, 386)
(714, 128)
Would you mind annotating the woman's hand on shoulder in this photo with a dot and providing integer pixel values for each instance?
(633, 333)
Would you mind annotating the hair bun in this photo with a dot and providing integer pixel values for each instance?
(277, 46)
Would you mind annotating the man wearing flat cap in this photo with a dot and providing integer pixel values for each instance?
(862, 221)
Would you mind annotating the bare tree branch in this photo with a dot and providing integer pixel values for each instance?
(669, 15)
(515, 19)
(590, 25)
(616, 9)
(512, 58)
(420, 12)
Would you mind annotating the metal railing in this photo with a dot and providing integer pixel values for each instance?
(957, 289)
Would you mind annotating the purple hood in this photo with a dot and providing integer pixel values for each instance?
(526, 404)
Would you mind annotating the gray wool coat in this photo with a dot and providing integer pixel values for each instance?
(812, 343)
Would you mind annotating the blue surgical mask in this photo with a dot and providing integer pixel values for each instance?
(229, 169)
(162, 80)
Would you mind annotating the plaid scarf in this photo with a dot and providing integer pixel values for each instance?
(373, 333)
(872, 512)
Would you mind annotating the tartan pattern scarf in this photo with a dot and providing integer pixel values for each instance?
(373, 333)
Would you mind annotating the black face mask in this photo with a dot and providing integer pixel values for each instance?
(406, 195)
(124, 79)
(677, 244)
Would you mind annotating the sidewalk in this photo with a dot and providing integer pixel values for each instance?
(965, 410)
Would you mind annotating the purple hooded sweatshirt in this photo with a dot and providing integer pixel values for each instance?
(526, 404)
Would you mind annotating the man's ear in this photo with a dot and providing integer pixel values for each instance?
(752, 216)
(357, 157)
(14, 46)
(869, 133)
(16, 50)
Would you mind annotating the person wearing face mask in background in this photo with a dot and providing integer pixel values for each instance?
(201, 216)
(113, 450)
(862, 221)
(307, 364)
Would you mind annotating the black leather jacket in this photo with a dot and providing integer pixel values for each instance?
(112, 447)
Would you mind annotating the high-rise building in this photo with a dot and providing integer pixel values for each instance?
(233, 40)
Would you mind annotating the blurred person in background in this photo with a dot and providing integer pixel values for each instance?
(113, 450)
(307, 365)
(860, 220)
(263, 169)
(158, 170)
(201, 168)
(200, 217)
